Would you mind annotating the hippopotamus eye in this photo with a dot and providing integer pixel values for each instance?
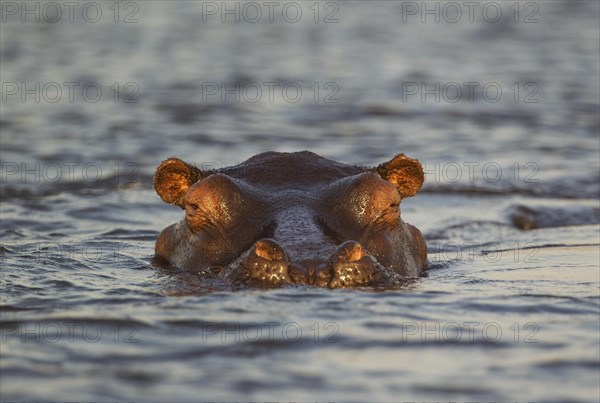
(218, 201)
(394, 211)
(366, 199)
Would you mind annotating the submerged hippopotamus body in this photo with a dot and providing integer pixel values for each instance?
(293, 218)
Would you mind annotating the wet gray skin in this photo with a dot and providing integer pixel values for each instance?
(293, 218)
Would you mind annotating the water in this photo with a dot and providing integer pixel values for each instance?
(510, 209)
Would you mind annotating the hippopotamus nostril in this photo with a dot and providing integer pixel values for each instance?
(270, 250)
(266, 263)
(351, 265)
(349, 251)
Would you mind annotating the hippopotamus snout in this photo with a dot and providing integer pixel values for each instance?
(267, 264)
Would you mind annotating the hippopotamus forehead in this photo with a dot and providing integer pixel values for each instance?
(304, 198)
(290, 170)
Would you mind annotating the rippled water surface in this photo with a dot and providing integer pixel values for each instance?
(510, 209)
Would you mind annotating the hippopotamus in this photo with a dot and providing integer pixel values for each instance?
(281, 219)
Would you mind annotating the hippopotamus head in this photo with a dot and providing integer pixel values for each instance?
(293, 218)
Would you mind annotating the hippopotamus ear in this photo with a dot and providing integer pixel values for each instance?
(173, 178)
(404, 173)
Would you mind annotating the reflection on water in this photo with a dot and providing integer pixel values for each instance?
(503, 115)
